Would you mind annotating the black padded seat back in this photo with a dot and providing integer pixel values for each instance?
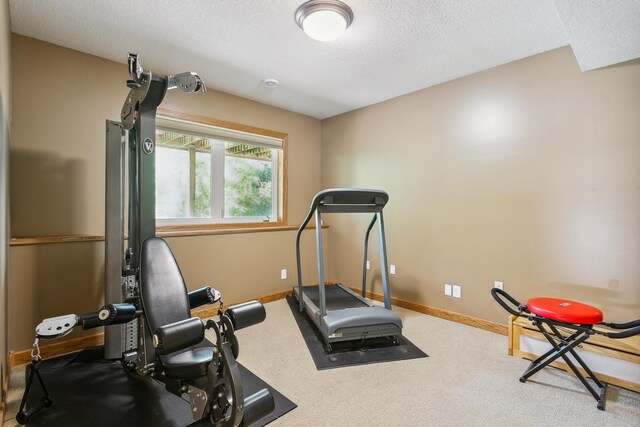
(164, 295)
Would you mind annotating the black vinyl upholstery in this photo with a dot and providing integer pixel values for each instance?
(187, 364)
(165, 300)
(164, 294)
(178, 336)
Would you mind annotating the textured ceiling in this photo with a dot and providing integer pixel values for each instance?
(392, 47)
(602, 32)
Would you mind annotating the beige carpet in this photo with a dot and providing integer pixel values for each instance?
(468, 380)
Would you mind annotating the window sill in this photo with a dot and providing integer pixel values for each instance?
(214, 229)
(165, 231)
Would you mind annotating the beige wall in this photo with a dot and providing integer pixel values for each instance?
(5, 119)
(5, 43)
(61, 100)
(528, 173)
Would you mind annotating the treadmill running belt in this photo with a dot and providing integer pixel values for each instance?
(336, 298)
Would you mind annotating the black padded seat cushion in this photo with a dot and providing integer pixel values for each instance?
(187, 364)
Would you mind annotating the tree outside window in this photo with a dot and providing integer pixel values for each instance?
(208, 178)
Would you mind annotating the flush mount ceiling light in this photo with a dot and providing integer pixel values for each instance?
(324, 20)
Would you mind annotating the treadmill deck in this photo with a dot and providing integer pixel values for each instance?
(336, 298)
(349, 316)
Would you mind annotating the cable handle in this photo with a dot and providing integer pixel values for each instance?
(624, 334)
(499, 295)
(627, 325)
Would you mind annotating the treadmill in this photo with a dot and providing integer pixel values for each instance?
(339, 313)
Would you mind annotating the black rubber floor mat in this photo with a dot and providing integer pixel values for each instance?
(350, 353)
(89, 391)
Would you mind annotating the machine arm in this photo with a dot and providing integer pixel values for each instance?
(202, 296)
(188, 82)
(111, 314)
(140, 83)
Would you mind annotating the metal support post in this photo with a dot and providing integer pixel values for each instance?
(364, 261)
(323, 309)
(114, 232)
(384, 266)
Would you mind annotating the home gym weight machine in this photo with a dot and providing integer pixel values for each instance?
(140, 282)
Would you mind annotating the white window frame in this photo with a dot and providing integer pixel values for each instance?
(221, 135)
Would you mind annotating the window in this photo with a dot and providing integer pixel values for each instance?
(210, 172)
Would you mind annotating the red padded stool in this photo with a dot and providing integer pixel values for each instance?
(565, 311)
(549, 314)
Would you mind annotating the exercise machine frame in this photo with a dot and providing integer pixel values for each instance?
(128, 335)
(132, 142)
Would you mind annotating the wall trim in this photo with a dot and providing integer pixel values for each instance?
(75, 344)
(487, 325)
(57, 349)
(167, 231)
(43, 240)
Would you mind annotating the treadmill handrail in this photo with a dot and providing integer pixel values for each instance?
(364, 259)
(340, 200)
(298, 234)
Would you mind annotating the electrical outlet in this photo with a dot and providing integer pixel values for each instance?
(368, 265)
(457, 291)
(283, 274)
(447, 290)
(498, 284)
(392, 269)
